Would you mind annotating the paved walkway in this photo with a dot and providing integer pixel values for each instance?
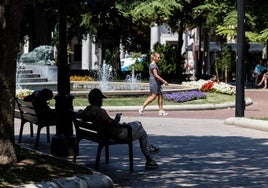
(197, 150)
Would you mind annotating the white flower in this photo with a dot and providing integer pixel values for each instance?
(22, 93)
(219, 87)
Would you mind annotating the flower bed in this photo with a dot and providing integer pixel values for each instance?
(81, 78)
(22, 93)
(202, 86)
(211, 86)
(185, 96)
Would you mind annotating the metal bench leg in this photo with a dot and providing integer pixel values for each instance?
(31, 129)
(21, 130)
(107, 159)
(130, 148)
(37, 137)
(48, 134)
(76, 150)
(97, 164)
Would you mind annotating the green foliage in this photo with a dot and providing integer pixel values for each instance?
(228, 28)
(225, 63)
(157, 11)
(168, 58)
(138, 66)
(263, 35)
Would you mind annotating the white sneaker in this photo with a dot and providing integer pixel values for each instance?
(141, 111)
(162, 113)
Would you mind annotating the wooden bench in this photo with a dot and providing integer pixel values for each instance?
(25, 111)
(89, 131)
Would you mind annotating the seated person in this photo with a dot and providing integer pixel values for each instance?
(40, 100)
(259, 70)
(110, 126)
(263, 80)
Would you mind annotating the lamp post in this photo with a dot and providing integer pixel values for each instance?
(63, 142)
(240, 83)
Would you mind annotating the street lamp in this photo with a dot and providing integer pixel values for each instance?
(63, 142)
(240, 83)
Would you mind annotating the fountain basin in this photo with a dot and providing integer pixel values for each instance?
(81, 89)
(115, 89)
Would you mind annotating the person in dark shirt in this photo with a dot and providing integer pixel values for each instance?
(95, 113)
(40, 100)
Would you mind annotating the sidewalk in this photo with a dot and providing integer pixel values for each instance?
(196, 149)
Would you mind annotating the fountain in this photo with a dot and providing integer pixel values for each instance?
(105, 74)
(131, 86)
(45, 76)
(133, 79)
(36, 77)
(36, 70)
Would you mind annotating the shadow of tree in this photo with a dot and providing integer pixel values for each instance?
(188, 161)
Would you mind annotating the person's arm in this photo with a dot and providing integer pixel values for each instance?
(103, 117)
(157, 76)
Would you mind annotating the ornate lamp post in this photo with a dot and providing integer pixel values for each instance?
(62, 144)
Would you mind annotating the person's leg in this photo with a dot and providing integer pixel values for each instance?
(265, 83)
(161, 111)
(149, 100)
(262, 80)
(160, 102)
(138, 133)
(146, 102)
(257, 78)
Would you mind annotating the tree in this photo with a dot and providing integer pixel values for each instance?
(109, 26)
(220, 23)
(160, 12)
(38, 22)
(10, 19)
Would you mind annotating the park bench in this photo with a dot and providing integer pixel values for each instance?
(25, 111)
(90, 131)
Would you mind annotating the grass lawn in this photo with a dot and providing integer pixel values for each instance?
(212, 98)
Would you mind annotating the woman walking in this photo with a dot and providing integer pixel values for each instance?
(155, 84)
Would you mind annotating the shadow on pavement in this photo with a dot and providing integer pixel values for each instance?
(186, 161)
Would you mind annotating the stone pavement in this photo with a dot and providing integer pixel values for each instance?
(197, 149)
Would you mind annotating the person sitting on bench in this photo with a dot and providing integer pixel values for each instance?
(40, 100)
(259, 71)
(100, 117)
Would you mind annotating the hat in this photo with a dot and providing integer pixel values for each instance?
(96, 93)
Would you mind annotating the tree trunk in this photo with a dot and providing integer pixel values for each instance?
(180, 60)
(217, 69)
(10, 19)
(226, 72)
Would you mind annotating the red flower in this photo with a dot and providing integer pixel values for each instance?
(207, 86)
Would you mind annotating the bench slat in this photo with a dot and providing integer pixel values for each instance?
(28, 110)
(25, 111)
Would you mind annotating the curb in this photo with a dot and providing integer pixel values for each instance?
(247, 123)
(95, 180)
(248, 101)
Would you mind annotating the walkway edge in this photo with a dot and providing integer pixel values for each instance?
(96, 180)
(247, 123)
(248, 101)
